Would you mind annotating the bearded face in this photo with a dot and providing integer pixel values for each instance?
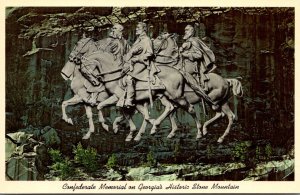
(139, 29)
(189, 32)
(115, 33)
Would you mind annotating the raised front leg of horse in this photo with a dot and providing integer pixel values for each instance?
(76, 99)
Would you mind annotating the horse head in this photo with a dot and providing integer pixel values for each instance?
(166, 48)
(80, 48)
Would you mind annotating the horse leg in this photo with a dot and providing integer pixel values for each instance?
(192, 112)
(210, 121)
(144, 111)
(89, 115)
(231, 117)
(112, 100)
(73, 101)
(102, 120)
(173, 124)
(168, 109)
(116, 123)
(131, 126)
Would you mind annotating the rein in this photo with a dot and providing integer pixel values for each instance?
(123, 73)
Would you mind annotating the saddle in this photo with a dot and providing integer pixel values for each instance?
(155, 84)
(91, 88)
(192, 79)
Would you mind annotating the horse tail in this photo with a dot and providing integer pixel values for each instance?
(237, 88)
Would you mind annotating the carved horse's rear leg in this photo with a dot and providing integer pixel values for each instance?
(112, 100)
(210, 121)
(131, 126)
(231, 117)
(191, 110)
(116, 123)
(173, 124)
(76, 99)
(89, 115)
(144, 111)
(168, 109)
(102, 120)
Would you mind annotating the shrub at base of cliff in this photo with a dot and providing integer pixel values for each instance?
(86, 157)
(62, 167)
(151, 161)
(112, 162)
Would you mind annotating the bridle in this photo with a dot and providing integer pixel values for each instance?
(72, 56)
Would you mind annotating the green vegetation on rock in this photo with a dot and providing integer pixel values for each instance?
(112, 161)
(86, 157)
(62, 166)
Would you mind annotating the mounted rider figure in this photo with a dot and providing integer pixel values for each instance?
(198, 59)
(115, 44)
(138, 61)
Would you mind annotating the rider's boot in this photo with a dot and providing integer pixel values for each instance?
(203, 82)
(130, 91)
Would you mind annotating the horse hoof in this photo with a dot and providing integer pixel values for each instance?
(87, 136)
(220, 140)
(137, 138)
(116, 130)
(69, 121)
(204, 132)
(128, 139)
(105, 127)
(153, 131)
(171, 135)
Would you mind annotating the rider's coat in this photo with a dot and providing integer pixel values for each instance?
(139, 55)
(197, 53)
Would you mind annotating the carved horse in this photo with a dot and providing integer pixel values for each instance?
(111, 74)
(218, 87)
(82, 87)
